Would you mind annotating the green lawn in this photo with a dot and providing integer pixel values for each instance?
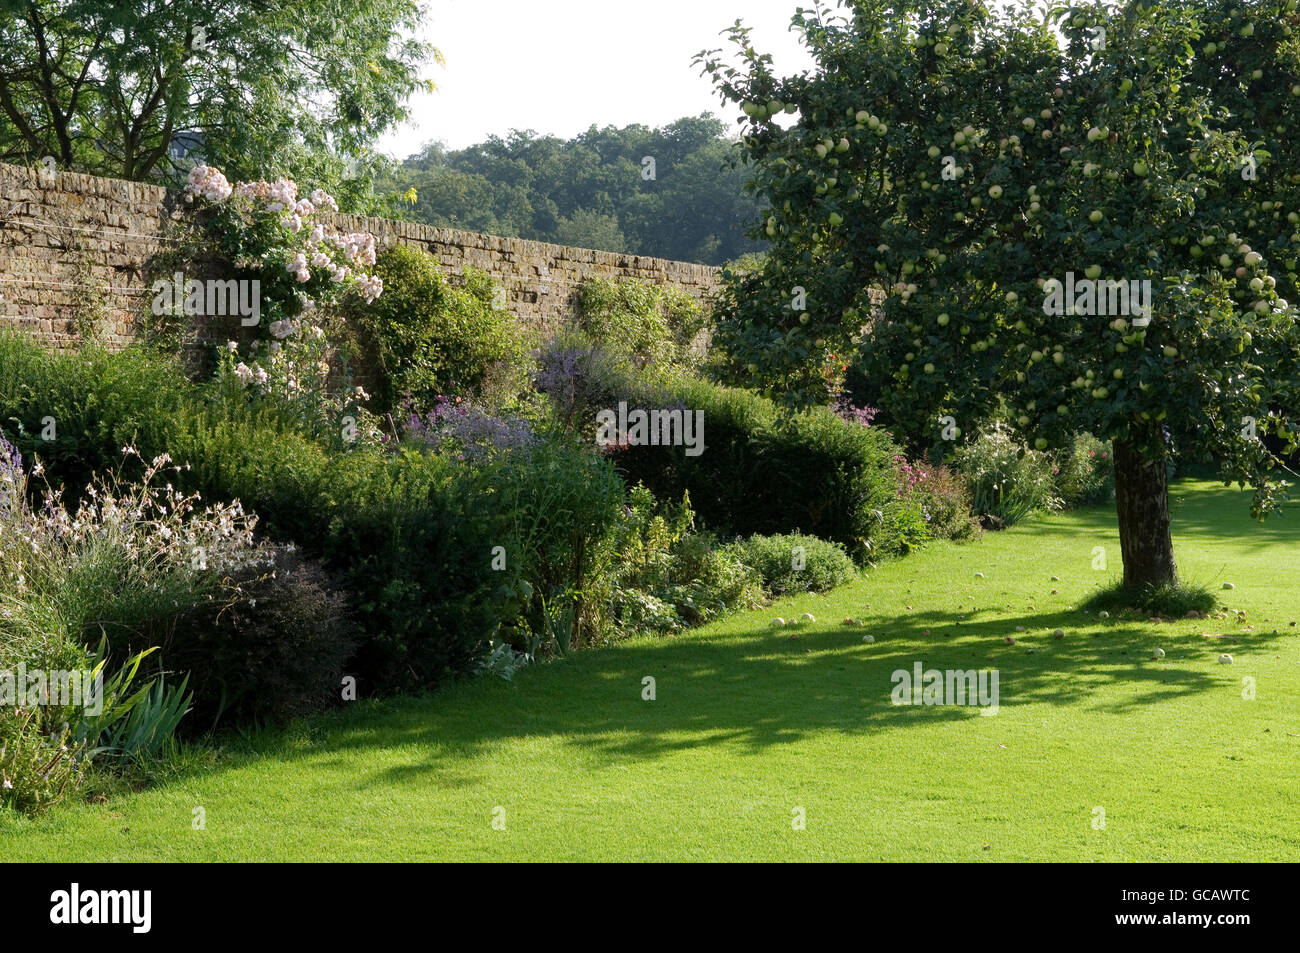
(749, 725)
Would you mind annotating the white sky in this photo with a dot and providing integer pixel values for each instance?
(558, 66)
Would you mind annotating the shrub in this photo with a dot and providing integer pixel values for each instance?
(667, 576)
(291, 380)
(272, 235)
(641, 322)
(120, 570)
(796, 563)
(410, 537)
(557, 507)
(37, 765)
(408, 534)
(763, 469)
(425, 337)
(902, 527)
(463, 426)
(943, 498)
(89, 404)
(579, 379)
(1086, 472)
(255, 457)
(122, 567)
(278, 653)
(1007, 480)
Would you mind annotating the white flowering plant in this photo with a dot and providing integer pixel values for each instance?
(292, 374)
(267, 230)
(127, 555)
(122, 569)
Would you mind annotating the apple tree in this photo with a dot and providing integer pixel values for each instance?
(1091, 214)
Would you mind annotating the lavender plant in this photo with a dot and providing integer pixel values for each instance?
(461, 426)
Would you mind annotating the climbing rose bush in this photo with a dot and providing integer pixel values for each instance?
(306, 269)
(302, 262)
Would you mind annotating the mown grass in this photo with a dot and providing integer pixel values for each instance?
(749, 725)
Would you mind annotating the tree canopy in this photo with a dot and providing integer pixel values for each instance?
(1091, 214)
(596, 190)
(255, 87)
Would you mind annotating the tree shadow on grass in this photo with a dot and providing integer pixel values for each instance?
(769, 690)
(761, 690)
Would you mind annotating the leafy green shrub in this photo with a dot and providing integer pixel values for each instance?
(796, 563)
(902, 527)
(255, 457)
(668, 576)
(302, 382)
(1086, 472)
(579, 378)
(557, 507)
(77, 411)
(1007, 480)
(409, 536)
(427, 337)
(763, 469)
(639, 321)
(38, 765)
(943, 498)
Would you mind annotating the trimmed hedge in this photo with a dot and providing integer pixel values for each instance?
(765, 470)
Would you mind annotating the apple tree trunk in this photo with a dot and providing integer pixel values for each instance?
(1142, 503)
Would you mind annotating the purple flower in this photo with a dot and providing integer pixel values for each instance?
(845, 409)
(473, 431)
(562, 370)
(11, 461)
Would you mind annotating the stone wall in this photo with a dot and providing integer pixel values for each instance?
(77, 251)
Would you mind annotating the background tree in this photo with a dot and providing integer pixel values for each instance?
(1145, 141)
(591, 190)
(256, 88)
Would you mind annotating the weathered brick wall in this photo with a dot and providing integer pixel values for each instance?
(74, 246)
